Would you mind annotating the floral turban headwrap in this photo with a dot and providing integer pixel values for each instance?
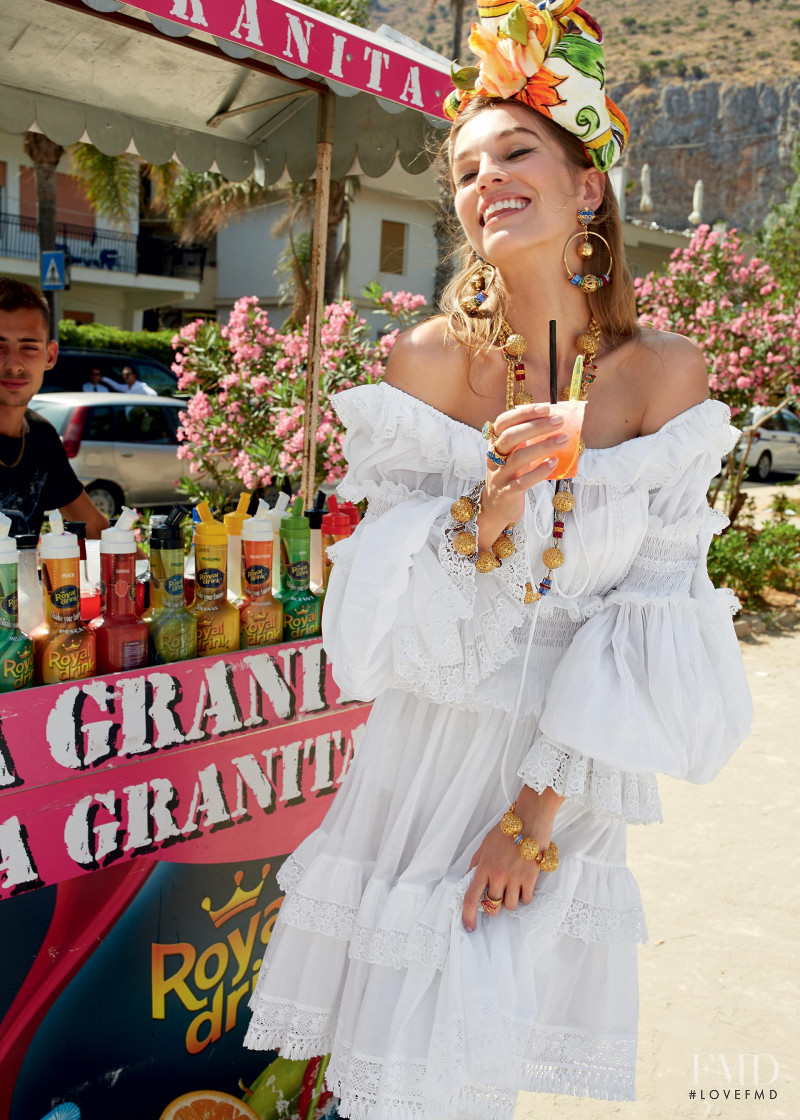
(548, 56)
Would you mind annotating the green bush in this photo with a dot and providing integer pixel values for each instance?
(748, 565)
(96, 336)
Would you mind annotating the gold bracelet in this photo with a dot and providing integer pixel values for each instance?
(529, 849)
(466, 509)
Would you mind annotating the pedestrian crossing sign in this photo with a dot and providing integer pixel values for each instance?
(53, 271)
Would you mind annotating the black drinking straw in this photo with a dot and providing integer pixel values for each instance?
(553, 363)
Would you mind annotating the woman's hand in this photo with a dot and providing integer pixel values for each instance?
(500, 870)
(526, 435)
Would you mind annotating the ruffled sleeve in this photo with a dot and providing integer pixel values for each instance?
(402, 609)
(654, 681)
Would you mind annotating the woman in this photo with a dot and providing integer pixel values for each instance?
(447, 947)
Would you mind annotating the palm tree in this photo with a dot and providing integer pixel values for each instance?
(200, 204)
(45, 156)
(458, 25)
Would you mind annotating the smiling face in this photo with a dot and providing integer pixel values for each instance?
(515, 190)
(25, 354)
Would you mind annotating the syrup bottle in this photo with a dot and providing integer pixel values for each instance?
(260, 614)
(172, 626)
(63, 648)
(121, 634)
(217, 619)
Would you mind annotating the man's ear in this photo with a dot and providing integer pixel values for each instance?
(52, 354)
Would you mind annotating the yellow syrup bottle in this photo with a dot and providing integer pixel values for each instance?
(217, 619)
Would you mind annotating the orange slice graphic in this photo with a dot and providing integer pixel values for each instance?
(207, 1104)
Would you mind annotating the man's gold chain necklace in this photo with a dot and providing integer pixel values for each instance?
(18, 458)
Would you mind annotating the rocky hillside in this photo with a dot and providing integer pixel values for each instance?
(712, 91)
(737, 139)
(744, 41)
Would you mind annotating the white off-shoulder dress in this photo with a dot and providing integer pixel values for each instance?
(633, 669)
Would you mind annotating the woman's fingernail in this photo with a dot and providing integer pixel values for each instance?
(541, 409)
(556, 420)
(562, 437)
(469, 929)
(550, 462)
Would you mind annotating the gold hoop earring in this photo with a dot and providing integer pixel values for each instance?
(480, 283)
(589, 282)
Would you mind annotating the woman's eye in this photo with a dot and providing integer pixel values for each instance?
(465, 178)
(520, 152)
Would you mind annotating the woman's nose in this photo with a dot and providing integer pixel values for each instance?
(489, 174)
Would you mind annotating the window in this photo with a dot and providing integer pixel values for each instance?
(57, 414)
(157, 378)
(139, 423)
(99, 425)
(393, 247)
(791, 422)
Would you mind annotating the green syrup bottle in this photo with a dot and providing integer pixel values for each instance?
(16, 648)
(302, 609)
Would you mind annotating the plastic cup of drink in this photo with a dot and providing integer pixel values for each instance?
(567, 453)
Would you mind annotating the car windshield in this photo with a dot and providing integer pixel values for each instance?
(58, 414)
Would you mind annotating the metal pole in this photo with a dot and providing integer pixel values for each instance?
(325, 117)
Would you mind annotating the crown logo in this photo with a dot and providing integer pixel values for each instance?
(239, 901)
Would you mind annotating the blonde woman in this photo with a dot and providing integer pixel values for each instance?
(463, 924)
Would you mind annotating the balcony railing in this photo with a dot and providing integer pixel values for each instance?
(104, 249)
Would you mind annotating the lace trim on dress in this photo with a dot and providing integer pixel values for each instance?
(519, 1054)
(424, 944)
(460, 450)
(586, 921)
(513, 573)
(656, 459)
(298, 1030)
(608, 793)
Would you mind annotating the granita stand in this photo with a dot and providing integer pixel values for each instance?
(143, 816)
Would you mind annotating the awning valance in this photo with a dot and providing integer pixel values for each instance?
(75, 76)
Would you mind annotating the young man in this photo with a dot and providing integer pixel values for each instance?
(35, 473)
(95, 382)
(130, 383)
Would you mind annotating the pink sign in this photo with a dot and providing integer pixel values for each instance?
(305, 38)
(206, 761)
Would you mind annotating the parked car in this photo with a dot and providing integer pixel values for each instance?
(123, 448)
(72, 368)
(776, 444)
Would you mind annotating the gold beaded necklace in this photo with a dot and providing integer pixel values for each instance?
(466, 510)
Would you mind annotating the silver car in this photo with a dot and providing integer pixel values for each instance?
(123, 447)
(776, 444)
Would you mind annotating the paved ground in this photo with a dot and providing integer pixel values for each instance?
(719, 879)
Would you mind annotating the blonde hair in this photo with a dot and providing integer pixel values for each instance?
(613, 305)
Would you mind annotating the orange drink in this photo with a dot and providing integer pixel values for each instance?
(567, 453)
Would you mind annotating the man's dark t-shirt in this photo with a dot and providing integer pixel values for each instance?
(42, 480)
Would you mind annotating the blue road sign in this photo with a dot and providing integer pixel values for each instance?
(53, 271)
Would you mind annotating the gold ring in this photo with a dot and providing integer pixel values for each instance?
(495, 456)
(490, 905)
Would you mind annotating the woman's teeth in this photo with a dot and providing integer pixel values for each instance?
(504, 204)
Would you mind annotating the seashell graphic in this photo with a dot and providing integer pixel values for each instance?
(65, 1111)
